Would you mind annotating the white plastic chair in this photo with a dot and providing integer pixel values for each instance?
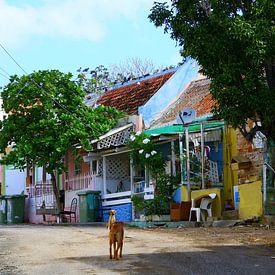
(196, 209)
(206, 205)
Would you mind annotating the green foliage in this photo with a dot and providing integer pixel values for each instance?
(234, 42)
(143, 153)
(160, 205)
(47, 116)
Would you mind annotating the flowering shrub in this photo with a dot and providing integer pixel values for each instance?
(144, 153)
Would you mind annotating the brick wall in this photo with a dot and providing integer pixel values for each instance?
(247, 149)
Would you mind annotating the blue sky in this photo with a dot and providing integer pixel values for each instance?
(67, 34)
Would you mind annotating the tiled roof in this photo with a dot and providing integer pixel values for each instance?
(196, 96)
(128, 98)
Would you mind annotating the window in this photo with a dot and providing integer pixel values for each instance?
(94, 167)
(77, 167)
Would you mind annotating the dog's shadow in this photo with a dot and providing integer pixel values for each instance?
(104, 262)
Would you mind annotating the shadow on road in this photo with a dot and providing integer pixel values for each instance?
(254, 259)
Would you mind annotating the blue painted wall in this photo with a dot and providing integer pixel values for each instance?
(216, 154)
(123, 212)
(169, 91)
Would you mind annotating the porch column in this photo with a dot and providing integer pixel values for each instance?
(131, 175)
(182, 161)
(104, 175)
(173, 158)
(188, 163)
(202, 157)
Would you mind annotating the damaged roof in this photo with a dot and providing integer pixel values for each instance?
(196, 96)
(130, 96)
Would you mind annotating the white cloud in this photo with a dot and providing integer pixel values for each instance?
(78, 19)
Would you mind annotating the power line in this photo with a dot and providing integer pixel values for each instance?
(41, 88)
(4, 76)
(4, 71)
(12, 58)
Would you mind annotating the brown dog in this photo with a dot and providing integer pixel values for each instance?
(116, 235)
(112, 219)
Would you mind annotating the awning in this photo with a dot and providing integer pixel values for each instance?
(115, 137)
(176, 129)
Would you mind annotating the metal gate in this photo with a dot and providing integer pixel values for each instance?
(45, 202)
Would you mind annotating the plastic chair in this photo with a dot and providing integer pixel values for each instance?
(196, 209)
(206, 205)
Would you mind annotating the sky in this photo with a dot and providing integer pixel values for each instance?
(68, 34)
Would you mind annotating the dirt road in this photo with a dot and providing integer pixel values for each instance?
(30, 249)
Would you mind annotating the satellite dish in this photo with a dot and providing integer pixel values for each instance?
(186, 116)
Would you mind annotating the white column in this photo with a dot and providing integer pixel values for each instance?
(188, 163)
(104, 175)
(202, 157)
(173, 158)
(182, 162)
(131, 175)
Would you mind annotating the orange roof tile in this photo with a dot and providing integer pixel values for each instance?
(196, 96)
(128, 98)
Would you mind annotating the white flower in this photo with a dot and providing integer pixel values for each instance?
(145, 141)
(132, 137)
(147, 155)
(141, 151)
(153, 152)
(138, 133)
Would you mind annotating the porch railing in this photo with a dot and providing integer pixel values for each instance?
(30, 191)
(141, 188)
(116, 198)
(80, 182)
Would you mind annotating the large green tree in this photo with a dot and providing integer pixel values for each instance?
(46, 117)
(234, 42)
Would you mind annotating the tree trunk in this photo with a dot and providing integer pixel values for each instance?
(56, 192)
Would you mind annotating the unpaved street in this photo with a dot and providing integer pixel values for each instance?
(30, 249)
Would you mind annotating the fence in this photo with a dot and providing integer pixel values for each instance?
(80, 182)
(268, 189)
(45, 201)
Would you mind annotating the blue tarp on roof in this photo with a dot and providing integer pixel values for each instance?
(169, 91)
